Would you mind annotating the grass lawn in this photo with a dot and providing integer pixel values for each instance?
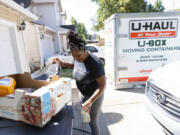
(65, 72)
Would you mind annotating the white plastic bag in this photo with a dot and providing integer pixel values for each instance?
(79, 71)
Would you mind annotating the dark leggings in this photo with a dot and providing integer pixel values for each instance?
(94, 114)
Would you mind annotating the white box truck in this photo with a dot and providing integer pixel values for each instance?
(138, 43)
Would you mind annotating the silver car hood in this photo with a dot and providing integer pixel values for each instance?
(168, 78)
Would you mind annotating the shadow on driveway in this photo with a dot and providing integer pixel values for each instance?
(107, 119)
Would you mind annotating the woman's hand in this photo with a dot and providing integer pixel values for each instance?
(58, 61)
(87, 106)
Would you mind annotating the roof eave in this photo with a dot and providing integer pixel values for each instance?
(27, 15)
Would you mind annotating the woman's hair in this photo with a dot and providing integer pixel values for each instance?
(75, 42)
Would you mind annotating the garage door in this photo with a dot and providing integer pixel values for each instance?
(47, 47)
(8, 64)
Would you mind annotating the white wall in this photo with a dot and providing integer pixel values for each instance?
(47, 46)
(50, 18)
(31, 36)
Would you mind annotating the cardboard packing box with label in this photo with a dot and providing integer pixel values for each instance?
(39, 106)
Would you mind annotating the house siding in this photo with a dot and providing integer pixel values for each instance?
(31, 36)
(8, 16)
(49, 18)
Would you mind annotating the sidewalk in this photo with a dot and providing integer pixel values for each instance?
(123, 113)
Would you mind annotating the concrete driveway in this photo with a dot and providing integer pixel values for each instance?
(123, 113)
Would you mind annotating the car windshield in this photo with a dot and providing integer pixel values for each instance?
(67, 53)
(91, 49)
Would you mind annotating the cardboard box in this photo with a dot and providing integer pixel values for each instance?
(38, 107)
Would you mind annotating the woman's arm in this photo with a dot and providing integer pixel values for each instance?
(102, 84)
(68, 65)
(63, 64)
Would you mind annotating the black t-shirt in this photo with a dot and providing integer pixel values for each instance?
(95, 69)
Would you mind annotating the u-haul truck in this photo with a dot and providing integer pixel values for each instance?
(138, 43)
